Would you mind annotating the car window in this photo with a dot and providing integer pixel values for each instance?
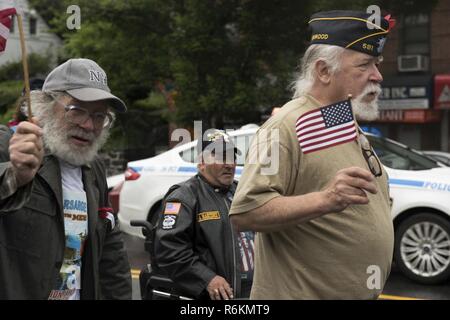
(190, 155)
(397, 157)
(242, 142)
(442, 159)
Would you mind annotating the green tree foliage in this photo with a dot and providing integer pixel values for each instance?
(11, 82)
(223, 61)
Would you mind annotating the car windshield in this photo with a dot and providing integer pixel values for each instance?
(395, 156)
(439, 158)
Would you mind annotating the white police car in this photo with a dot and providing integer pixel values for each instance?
(419, 188)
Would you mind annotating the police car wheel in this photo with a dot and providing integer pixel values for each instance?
(422, 248)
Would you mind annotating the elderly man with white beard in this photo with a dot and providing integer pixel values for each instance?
(323, 218)
(59, 239)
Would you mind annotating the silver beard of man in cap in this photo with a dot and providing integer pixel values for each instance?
(57, 132)
(363, 110)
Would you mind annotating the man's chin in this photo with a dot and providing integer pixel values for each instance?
(367, 111)
(75, 155)
(226, 181)
(368, 117)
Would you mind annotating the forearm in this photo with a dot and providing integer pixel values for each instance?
(282, 212)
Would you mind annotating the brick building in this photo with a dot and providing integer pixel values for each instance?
(415, 102)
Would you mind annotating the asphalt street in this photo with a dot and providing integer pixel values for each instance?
(398, 287)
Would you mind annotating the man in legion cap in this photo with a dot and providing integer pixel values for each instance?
(323, 219)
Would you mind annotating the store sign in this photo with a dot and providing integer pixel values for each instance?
(442, 91)
(404, 97)
(409, 116)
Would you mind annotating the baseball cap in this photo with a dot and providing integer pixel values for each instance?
(215, 140)
(84, 80)
(354, 30)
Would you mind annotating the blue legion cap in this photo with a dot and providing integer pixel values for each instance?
(354, 30)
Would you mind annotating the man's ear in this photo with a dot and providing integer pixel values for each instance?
(201, 163)
(323, 72)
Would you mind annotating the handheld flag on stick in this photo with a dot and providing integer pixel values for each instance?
(326, 127)
(25, 65)
(5, 25)
(6, 16)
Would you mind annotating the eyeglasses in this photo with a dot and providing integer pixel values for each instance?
(79, 115)
(369, 155)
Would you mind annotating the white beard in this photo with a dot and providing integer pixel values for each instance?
(56, 135)
(367, 111)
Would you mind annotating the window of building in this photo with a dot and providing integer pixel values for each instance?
(33, 25)
(416, 34)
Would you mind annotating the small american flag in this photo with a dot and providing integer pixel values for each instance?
(172, 208)
(326, 127)
(5, 25)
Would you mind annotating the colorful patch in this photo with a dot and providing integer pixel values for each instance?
(169, 221)
(172, 208)
(209, 215)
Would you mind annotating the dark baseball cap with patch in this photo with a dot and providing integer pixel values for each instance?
(84, 80)
(356, 30)
(215, 141)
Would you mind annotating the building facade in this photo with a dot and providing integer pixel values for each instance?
(415, 102)
(37, 36)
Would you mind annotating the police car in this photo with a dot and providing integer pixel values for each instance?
(419, 189)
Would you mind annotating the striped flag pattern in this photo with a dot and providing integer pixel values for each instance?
(246, 246)
(326, 127)
(5, 25)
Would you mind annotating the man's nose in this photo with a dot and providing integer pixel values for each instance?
(229, 163)
(375, 75)
(88, 124)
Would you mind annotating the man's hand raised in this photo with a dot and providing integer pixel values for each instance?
(26, 151)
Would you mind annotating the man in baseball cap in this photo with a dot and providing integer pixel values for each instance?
(195, 215)
(55, 189)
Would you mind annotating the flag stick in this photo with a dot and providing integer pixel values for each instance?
(25, 65)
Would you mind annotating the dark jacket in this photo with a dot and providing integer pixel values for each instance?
(32, 238)
(5, 135)
(197, 242)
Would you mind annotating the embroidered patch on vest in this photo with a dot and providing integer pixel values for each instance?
(209, 215)
(172, 208)
(169, 221)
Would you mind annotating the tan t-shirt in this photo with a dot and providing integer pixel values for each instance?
(345, 255)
